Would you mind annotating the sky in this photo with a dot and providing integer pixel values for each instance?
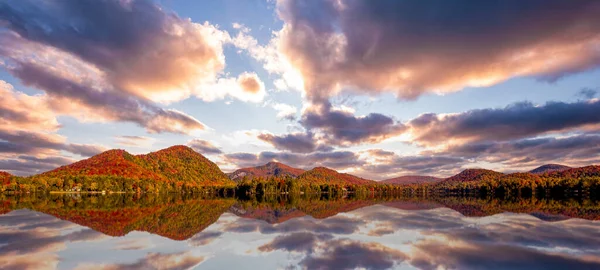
(378, 89)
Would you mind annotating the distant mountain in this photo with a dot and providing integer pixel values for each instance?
(412, 179)
(322, 175)
(549, 168)
(469, 175)
(593, 170)
(275, 169)
(5, 177)
(174, 164)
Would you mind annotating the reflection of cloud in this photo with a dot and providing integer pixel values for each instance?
(30, 240)
(183, 260)
(347, 254)
(462, 255)
(134, 244)
(204, 238)
(298, 241)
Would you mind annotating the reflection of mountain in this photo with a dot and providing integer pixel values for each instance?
(117, 215)
(180, 217)
(412, 179)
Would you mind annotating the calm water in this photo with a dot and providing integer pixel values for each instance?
(130, 232)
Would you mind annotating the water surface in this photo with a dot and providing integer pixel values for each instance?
(151, 232)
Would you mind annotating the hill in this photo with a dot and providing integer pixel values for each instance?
(549, 168)
(593, 170)
(471, 175)
(5, 177)
(412, 179)
(176, 165)
(322, 175)
(271, 169)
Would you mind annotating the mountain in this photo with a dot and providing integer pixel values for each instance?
(412, 179)
(549, 168)
(176, 164)
(593, 170)
(5, 177)
(322, 175)
(270, 169)
(469, 175)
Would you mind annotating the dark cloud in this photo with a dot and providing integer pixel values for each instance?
(347, 254)
(295, 142)
(428, 164)
(204, 147)
(334, 159)
(413, 47)
(587, 93)
(84, 150)
(28, 165)
(581, 149)
(343, 128)
(519, 120)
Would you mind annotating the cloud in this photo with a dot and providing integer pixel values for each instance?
(579, 149)
(204, 147)
(422, 164)
(333, 159)
(411, 48)
(342, 128)
(587, 93)
(135, 141)
(285, 111)
(519, 120)
(295, 142)
(140, 48)
(134, 244)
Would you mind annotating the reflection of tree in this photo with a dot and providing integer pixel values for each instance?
(175, 217)
(180, 216)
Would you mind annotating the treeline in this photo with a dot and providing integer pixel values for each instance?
(517, 184)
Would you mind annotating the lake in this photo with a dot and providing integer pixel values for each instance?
(112, 231)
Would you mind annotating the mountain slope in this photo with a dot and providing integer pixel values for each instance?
(322, 175)
(271, 169)
(177, 164)
(470, 175)
(412, 179)
(181, 163)
(593, 170)
(549, 168)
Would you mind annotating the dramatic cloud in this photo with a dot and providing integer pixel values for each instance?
(204, 238)
(519, 120)
(587, 93)
(139, 47)
(204, 147)
(413, 47)
(285, 111)
(342, 128)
